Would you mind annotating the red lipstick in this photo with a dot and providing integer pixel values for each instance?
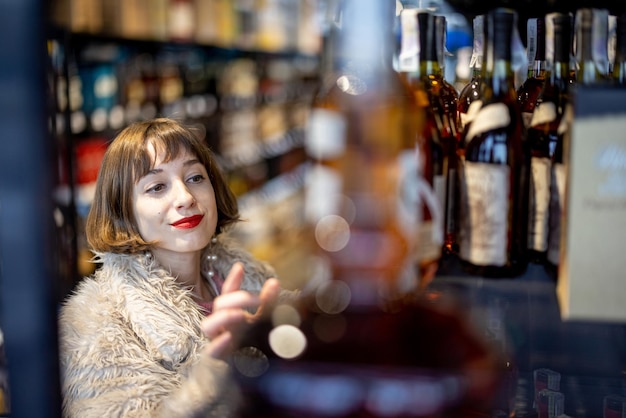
(189, 222)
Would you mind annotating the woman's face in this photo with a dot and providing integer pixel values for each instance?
(174, 204)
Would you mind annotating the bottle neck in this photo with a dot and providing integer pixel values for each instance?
(366, 38)
(500, 77)
(619, 69)
(476, 61)
(591, 46)
(537, 69)
(560, 72)
(428, 52)
(536, 48)
(497, 72)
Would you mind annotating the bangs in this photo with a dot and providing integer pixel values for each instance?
(166, 142)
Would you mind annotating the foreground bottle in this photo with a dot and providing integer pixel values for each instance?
(494, 183)
(355, 344)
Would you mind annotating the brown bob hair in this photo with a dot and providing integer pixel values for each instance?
(111, 224)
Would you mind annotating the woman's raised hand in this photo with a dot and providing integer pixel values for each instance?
(232, 309)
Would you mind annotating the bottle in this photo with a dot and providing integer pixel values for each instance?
(359, 325)
(619, 67)
(494, 184)
(361, 127)
(419, 69)
(450, 139)
(548, 125)
(442, 100)
(591, 26)
(528, 92)
(471, 91)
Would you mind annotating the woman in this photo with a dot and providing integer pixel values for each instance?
(146, 335)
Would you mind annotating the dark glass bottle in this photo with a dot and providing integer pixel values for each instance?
(545, 136)
(414, 71)
(440, 132)
(494, 184)
(528, 92)
(451, 136)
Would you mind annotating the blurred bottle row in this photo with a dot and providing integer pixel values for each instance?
(248, 108)
(267, 25)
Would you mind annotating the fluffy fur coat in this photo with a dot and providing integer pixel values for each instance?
(130, 342)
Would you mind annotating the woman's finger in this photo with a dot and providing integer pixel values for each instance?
(270, 290)
(237, 299)
(219, 346)
(269, 294)
(234, 279)
(222, 320)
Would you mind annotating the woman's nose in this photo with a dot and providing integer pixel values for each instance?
(182, 195)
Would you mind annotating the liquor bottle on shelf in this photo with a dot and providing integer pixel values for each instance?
(528, 92)
(471, 91)
(420, 71)
(442, 104)
(494, 180)
(359, 325)
(545, 136)
(592, 62)
(450, 139)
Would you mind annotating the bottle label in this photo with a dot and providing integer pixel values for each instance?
(325, 134)
(557, 201)
(488, 118)
(472, 111)
(527, 118)
(545, 112)
(415, 194)
(538, 204)
(486, 195)
(322, 192)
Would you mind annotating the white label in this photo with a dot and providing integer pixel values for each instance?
(488, 118)
(322, 192)
(416, 193)
(409, 48)
(527, 118)
(325, 134)
(557, 200)
(486, 195)
(538, 204)
(472, 111)
(545, 112)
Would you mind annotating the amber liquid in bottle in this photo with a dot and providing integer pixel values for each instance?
(528, 92)
(494, 185)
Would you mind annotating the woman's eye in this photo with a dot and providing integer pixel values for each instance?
(156, 188)
(196, 179)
